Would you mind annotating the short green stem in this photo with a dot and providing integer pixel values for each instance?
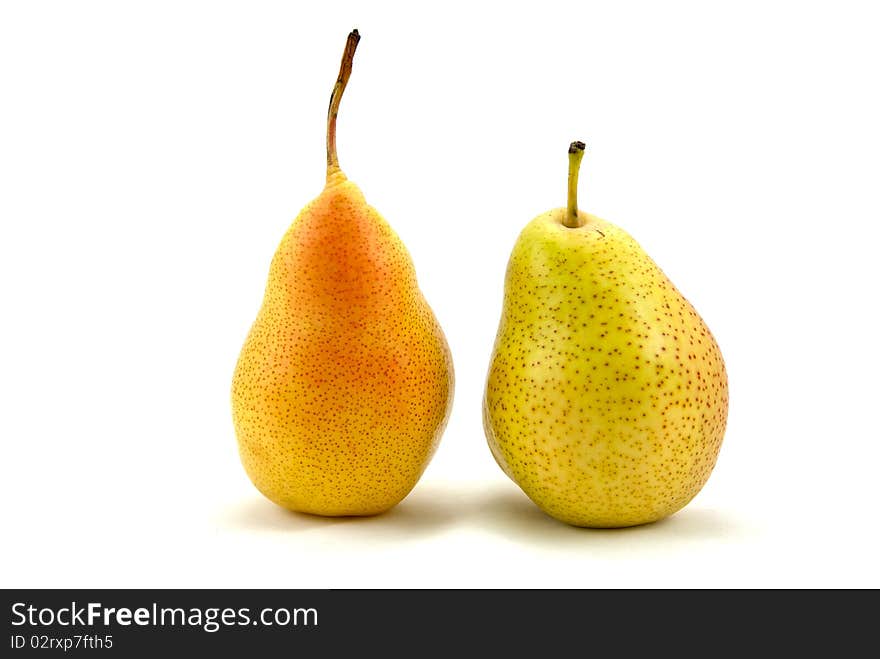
(575, 155)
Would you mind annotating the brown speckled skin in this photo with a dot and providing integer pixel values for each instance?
(345, 382)
(606, 399)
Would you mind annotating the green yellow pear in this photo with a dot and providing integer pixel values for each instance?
(345, 382)
(606, 399)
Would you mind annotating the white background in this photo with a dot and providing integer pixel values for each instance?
(152, 154)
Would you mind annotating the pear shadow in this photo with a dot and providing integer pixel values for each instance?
(500, 509)
(508, 512)
(425, 511)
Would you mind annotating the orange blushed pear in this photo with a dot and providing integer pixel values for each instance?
(345, 382)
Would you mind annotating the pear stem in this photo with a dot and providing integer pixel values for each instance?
(575, 155)
(336, 97)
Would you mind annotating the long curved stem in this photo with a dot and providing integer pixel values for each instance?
(336, 97)
(575, 155)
